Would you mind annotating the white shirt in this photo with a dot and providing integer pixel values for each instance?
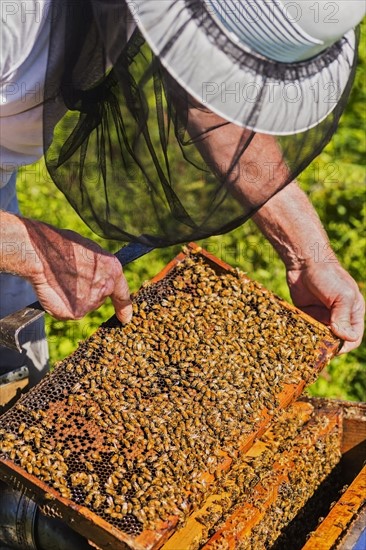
(24, 39)
(24, 44)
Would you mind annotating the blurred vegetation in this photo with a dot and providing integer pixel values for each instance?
(335, 183)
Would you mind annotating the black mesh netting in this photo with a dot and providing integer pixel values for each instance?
(135, 156)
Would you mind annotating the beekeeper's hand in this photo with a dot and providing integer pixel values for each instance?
(330, 295)
(318, 283)
(71, 275)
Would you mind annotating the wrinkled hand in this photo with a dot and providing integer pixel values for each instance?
(73, 275)
(330, 295)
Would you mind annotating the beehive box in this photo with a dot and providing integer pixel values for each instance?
(310, 496)
(129, 435)
(342, 525)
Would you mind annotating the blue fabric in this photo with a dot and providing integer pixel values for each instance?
(8, 198)
(16, 293)
(361, 543)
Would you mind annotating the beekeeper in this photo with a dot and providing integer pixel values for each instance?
(164, 121)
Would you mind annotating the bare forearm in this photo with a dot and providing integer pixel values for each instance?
(17, 253)
(289, 221)
(317, 282)
(250, 165)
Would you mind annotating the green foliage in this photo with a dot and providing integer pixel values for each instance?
(336, 185)
(338, 192)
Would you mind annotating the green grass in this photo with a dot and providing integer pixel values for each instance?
(335, 183)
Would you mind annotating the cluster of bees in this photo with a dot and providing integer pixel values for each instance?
(135, 424)
(315, 457)
(309, 471)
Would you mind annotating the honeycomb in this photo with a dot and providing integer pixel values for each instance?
(131, 423)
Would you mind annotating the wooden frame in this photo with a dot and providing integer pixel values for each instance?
(101, 532)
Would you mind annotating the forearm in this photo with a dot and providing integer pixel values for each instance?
(289, 221)
(250, 165)
(318, 284)
(17, 252)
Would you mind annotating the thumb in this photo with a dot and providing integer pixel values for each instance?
(121, 300)
(341, 317)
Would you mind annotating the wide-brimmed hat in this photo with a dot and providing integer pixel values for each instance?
(138, 152)
(292, 59)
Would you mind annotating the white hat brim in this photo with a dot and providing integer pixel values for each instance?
(235, 91)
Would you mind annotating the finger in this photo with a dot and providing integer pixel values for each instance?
(350, 346)
(357, 325)
(121, 300)
(341, 320)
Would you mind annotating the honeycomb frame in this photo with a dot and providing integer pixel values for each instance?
(73, 419)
